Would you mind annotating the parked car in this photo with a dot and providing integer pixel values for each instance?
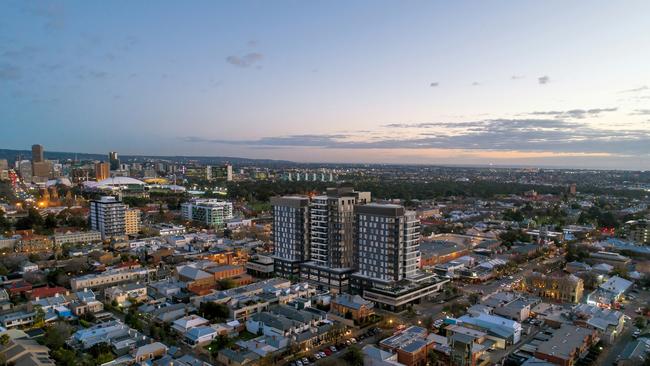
(328, 352)
(317, 356)
(298, 363)
(305, 361)
(322, 354)
(333, 349)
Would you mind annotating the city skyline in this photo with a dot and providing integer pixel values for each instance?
(471, 83)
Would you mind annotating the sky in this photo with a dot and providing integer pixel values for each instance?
(533, 83)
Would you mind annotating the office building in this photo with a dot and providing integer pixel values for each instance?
(107, 215)
(102, 171)
(4, 169)
(229, 173)
(332, 238)
(41, 169)
(24, 168)
(290, 234)
(37, 154)
(211, 212)
(113, 160)
(132, 221)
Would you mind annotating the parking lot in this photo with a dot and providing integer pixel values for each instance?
(337, 350)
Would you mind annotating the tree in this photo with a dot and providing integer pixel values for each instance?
(219, 343)
(432, 357)
(50, 222)
(56, 335)
(474, 298)
(640, 322)
(226, 283)
(39, 318)
(354, 356)
(213, 311)
(65, 357)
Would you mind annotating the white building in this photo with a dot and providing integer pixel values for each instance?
(212, 212)
(107, 215)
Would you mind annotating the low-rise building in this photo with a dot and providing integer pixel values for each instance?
(122, 294)
(566, 345)
(558, 287)
(109, 278)
(25, 352)
(77, 237)
(610, 293)
(352, 307)
(502, 331)
(609, 323)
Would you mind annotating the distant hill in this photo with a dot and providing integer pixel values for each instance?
(12, 155)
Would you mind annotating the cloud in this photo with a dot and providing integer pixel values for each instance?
(53, 12)
(528, 135)
(641, 112)
(434, 84)
(10, 72)
(435, 124)
(543, 79)
(575, 113)
(246, 60)
(516, 77)
(20, 54)
(476, 83)
(98, 74)
(635, 90)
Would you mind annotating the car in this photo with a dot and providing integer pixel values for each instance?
(298, 363)
(353, 340)
(348, 342)
(322, 354)
(317, 356)
(328, 352)
(333, 349)
(305, 361)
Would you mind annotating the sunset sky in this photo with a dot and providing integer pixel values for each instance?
(547, 83)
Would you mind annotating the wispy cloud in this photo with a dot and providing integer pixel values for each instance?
(575, 113)
(516, 77)
(635, 90)
(9, 72)
(543, 79)
(538, 135)
(641, 112)
(434, 84)
(52, 12)
(246, 60)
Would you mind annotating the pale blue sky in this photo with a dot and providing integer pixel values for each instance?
(472, 82)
